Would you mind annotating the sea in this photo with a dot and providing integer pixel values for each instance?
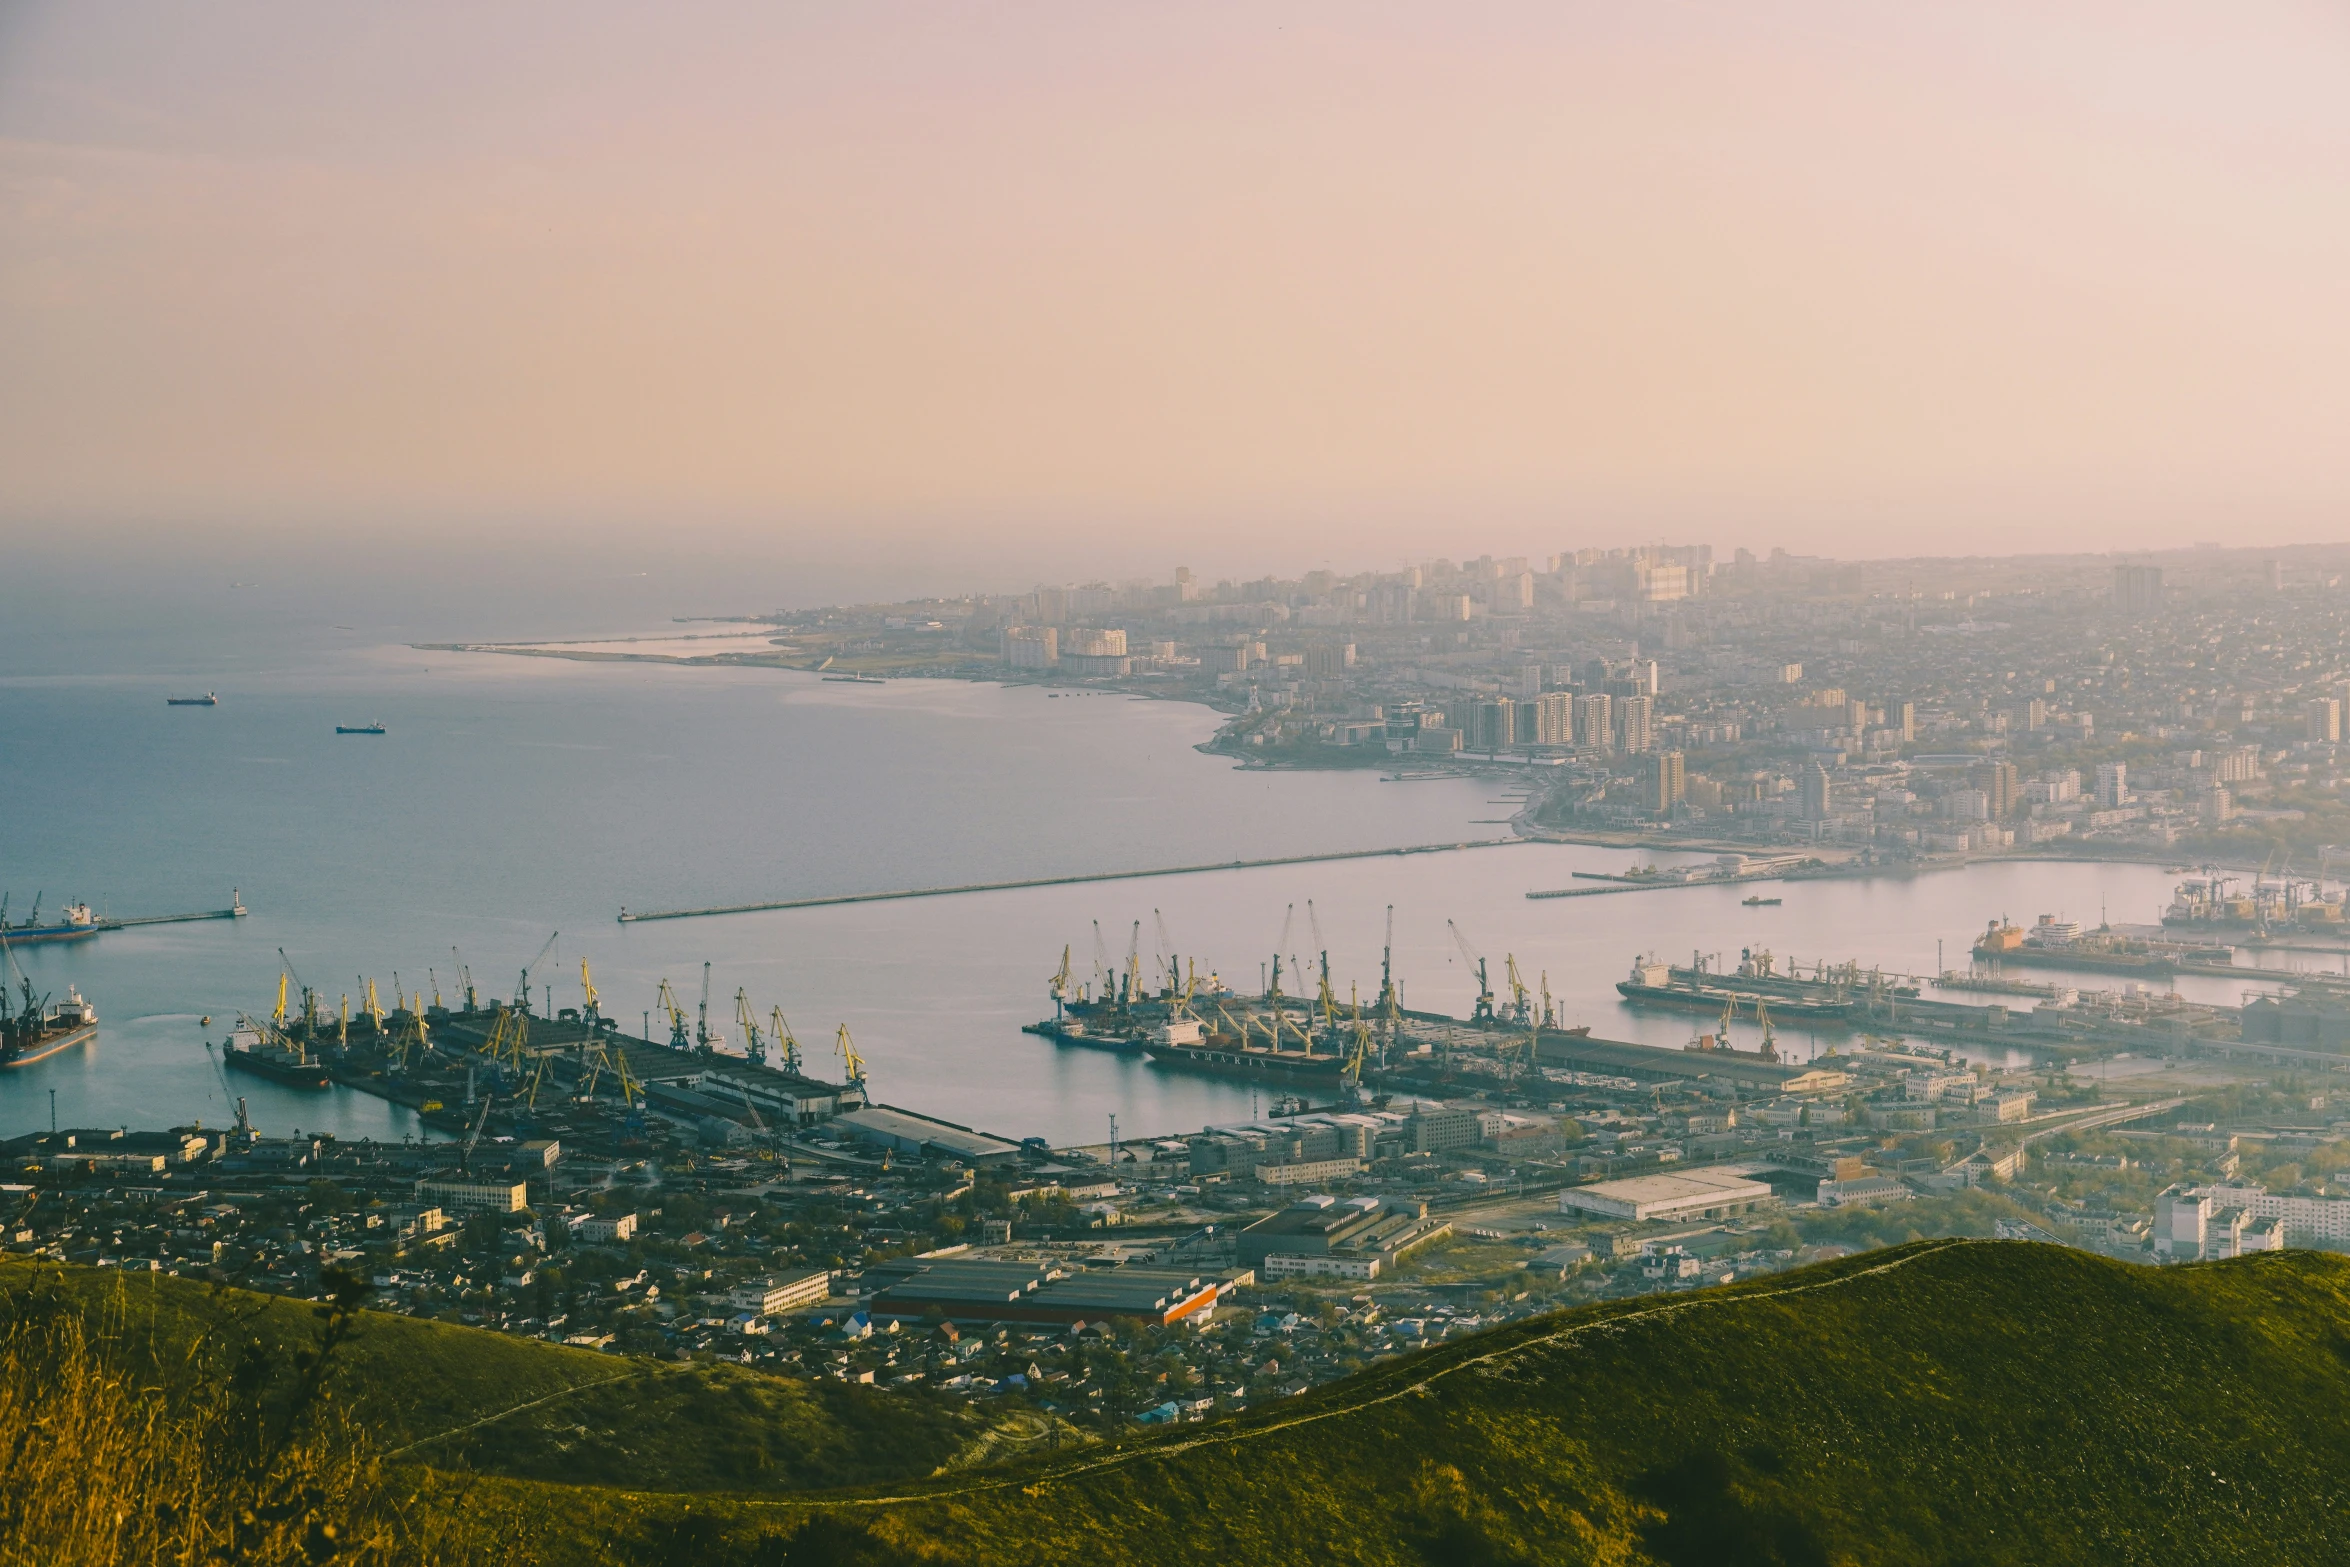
(514, 806)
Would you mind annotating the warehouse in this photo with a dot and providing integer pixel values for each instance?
(907, 1132)
(1693, 1194)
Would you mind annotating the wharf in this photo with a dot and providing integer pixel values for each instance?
(627, 918)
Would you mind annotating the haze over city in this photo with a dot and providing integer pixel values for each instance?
(822, 786)
(1309, 285)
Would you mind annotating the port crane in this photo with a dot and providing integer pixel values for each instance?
(790, 1047)
(522, 985)
(854, 1062)
(1060, 984)
(679, 1039)
(702, 1021)
(1483, 1013)
(465, 978)
(591, 1006)
(754, 1047)
(1520, 1011)
(465, 1158)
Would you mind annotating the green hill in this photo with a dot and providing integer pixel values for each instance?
(462, 1399)
(1944, 1402)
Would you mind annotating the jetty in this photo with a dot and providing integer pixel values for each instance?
(626, 918)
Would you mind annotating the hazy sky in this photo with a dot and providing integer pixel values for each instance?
(1254, 284)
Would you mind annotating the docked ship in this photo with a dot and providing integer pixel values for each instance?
(1657, 984)
(2059, 943)
(2214, 902)
(208, 699)
(268, 1052)
(31, 1031)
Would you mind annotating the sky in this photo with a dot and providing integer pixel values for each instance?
(997, 294)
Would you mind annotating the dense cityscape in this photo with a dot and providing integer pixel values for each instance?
(1421, 1174)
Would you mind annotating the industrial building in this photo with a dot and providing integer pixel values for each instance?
(1691, 1194)
(770, 1296)
(1358, 1230)
(906, 1132)
(975, 1289)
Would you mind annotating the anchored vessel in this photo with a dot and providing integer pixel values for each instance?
(208, 699)
(359, 729)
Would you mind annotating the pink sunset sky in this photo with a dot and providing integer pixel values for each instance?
(1283, 282)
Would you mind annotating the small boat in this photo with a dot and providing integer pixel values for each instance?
(1761, 903)
(359, 729)
(208, 699)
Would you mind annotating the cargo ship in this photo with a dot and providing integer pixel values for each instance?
(32, 1032)
(359, 729)
(208, 699)
(2056, 943)
(75, 923)
(1660, 985)
(265, 1052)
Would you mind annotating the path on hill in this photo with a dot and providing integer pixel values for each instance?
(1421, 1386)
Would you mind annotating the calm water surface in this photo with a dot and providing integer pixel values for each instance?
(514, 798)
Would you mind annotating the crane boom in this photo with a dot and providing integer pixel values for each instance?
(1484, 1009)
(522, 985)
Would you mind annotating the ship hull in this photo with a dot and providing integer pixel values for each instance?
(42, 1049)
(1742, 1005)
(20, 935)
(288, 1073)
(2093, 962)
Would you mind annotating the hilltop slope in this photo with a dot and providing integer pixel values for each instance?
(460, 1398)
(1945, 1402)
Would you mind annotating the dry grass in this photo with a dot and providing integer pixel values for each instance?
(104, 1459)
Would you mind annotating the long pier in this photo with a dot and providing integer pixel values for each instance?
(627, 918)
(235, 911)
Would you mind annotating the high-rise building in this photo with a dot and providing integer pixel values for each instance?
(1904, 717)
(1554, 718)
(2323, 719)
(1814, 802)
(1186, 586)
(2137, 589)
(2001, 788)
(1032, 647)
(1638, 724)
(2113, 784)
(1594, 724)
(1493, 725)
(1667, 781)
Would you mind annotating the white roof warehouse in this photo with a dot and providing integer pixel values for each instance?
(1693, 1194)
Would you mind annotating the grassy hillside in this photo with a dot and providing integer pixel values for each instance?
(466, 1400)
(1944, 1402)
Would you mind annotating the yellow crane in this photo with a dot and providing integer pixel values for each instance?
(849, 1058)
(1060, 982)
(754, 1046)
(343, 1025)
(375, 1011)
(782, 1035)
(1519, 1010)
(279, 1016)
(679, 1038)
(591, 1008)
